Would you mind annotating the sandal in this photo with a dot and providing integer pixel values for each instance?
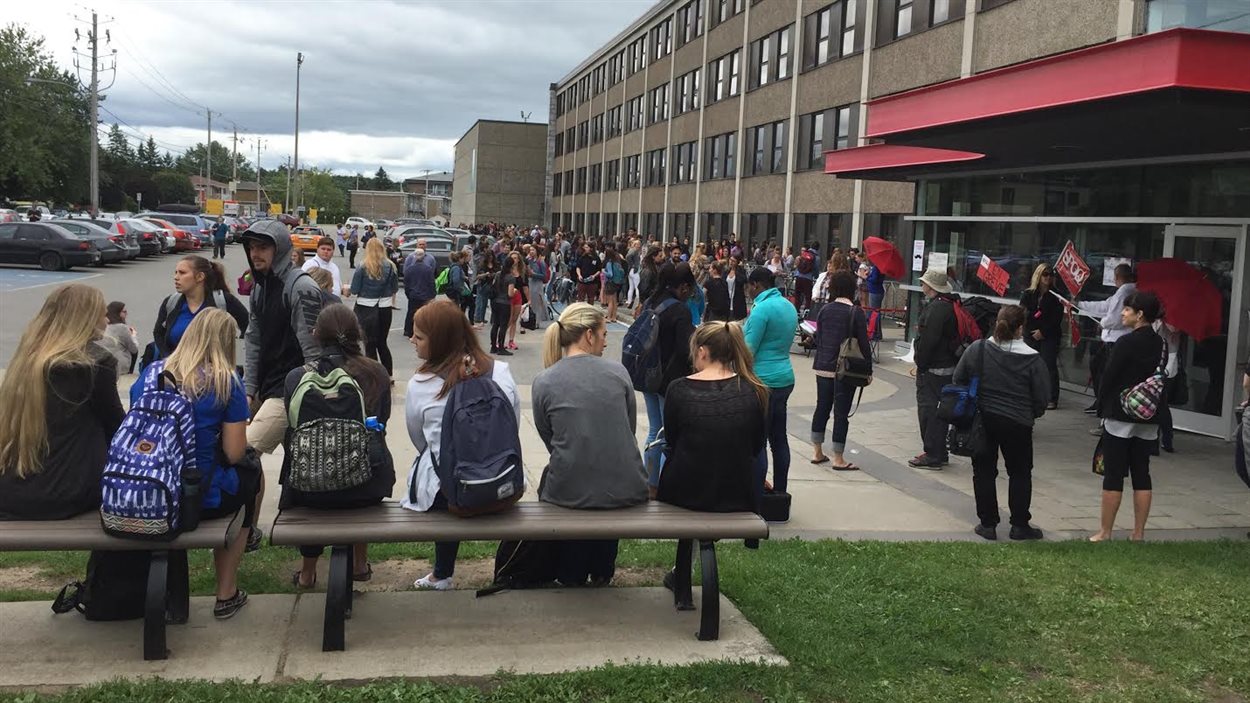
(847, 467)
(296, 582)
(821, 460)
(365, 576)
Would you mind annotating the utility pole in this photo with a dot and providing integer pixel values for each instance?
(259, 142)
(208, 160)
(286, 205)
(234, 161)
(299, 61)
(93, 100)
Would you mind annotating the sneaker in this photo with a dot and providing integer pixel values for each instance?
(429, 583)
(986, 532)
(226, 609)
(1097, 432)
(512, 346)
(927, 462)
(1091, 410)
(1022, 532)
(254, 540)
(503, 352)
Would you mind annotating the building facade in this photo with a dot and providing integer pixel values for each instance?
(500, 173)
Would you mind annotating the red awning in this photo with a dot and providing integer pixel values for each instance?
(879, 156)
(1177, 58)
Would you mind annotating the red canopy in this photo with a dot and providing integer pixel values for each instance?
(885, 257)
(1191, 302)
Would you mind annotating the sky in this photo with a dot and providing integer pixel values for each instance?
(391, 84)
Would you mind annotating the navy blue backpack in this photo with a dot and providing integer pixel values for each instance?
(640, 352)
(478, 461)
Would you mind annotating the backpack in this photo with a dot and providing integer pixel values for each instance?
(442, 282)
(546, 271)
(617, 275)
(640, 352)
(807, 262)
(528, 319)
(478, 461)
(524, 564)
(151, 460)
(115, 588)
(974, 319)
(327, 443)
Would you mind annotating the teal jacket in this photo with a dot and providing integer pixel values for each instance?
(769, 333)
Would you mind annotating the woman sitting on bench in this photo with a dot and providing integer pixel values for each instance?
(60, 410)
(586, 413)
(338, 332)
(203, 368)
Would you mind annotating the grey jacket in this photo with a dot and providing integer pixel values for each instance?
(1014, 382)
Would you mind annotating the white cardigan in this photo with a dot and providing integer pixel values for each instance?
(423, 413)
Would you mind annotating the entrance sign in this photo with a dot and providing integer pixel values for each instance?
(993, 275)
(1072, 269)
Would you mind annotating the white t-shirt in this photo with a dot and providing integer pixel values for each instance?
(316, 263)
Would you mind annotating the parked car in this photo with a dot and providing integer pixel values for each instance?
(199, 225)
(359, 222)
(183, 240)
(438, 247)
(150, 237)
(7, 215)
(405, 233)
(237, 227)
(51, 247)
(123, 214)
(383, 225)
(113, 247)
(306, 237)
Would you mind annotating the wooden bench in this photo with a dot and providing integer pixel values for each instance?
(533, 521)
(167, 589)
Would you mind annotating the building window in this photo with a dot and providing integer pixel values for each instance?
(818, 131)
(633, 114)
(596, 178)
(848, 27)
(612, 175)
(939, 11)
(720, 151)
(556, 185)
(684, 160)
(724, 9)
(766, 149)
(689, 22)
(662, 40)
(770, 58)
(686, 93)
(560, 144)
(723, 76)
(656, 161)
(843, 138)
(658, 104)
(779, 147)
(580, 186)
(614, 122)
(609, 222)
(596, 129)
(583, 134)
(1221, 15)
(902, 18)
(568, 182)
(757, 141)
(712, 171)
(637, 55)
(633, 171)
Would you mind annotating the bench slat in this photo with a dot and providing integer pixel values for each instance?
(83, 532)
(390, 522)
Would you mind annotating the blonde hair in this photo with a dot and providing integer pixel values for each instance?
(1037, 277)
(203, 363)
(323, 278)
(58, 336)
(375, 257)
(576, 320)
(726, 345)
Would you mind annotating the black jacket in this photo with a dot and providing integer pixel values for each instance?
(676, 326)
(937, 334)
(716, 293)
(831, 331)
(1051, 318)
(82, 413)
(738, 301)
(1134, 357)
(160, 332)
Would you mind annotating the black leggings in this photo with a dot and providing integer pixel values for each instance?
(500, 313)
(376, 323)
(1125, 457)
(351, 256)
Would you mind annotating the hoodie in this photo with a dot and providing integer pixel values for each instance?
(1014, 381)
(282, 312)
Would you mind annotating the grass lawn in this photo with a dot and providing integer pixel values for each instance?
(871, 621)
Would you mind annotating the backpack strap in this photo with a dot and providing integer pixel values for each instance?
(219, 299)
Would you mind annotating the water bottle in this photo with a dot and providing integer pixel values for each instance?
(372, 424)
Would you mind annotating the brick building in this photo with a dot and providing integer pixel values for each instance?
(500, 173)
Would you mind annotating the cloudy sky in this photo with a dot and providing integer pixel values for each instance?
(391, 84)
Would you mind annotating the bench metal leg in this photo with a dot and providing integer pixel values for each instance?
(154, 608)
(683, 598)
(338, 598)
(709, 610)
(177, 589)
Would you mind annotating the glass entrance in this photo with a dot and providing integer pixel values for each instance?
(1208, 365)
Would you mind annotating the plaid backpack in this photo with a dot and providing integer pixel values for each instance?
(149, 456)
(1142, 401)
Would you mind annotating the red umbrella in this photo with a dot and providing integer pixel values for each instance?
(885, 257)
(1190, 300)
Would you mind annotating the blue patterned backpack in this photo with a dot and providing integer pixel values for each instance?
(151, 453)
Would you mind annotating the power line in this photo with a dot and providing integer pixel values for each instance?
(155, 72)
(144, 136)
(160, 95)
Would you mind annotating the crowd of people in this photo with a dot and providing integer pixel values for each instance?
(716, 396)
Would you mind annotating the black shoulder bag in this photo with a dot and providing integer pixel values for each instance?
(969, 440)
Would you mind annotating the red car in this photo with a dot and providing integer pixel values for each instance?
(183, 240)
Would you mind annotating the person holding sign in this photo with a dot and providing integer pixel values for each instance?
(1043, 322)
(1108, 312)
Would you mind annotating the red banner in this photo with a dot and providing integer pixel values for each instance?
(1072, 269)
(994, 276)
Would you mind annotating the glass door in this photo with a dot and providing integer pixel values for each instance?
(1207, 366)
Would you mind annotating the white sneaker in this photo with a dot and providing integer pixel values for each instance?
(429, 583)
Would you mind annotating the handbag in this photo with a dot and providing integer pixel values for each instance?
(957, 403)
(968, 441)
(1142, 401)
(1098, 464)
(852, 368)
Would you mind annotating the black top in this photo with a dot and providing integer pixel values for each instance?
(713, 430)
(1134, 357)
(587, 266)
(82, 412)
(676, 326)
(833, 323)
(374, 491)
(937, 335)
(1049, 319)
(716, 292)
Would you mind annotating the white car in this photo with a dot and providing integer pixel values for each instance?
(358, 222)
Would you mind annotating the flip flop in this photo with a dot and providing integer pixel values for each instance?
(822, 460)
(295, 582)
(365, 576)
(848, 467)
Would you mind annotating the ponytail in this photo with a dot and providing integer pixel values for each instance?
(1010, 320)
(576, 320)
(726, 344)
(214, 273)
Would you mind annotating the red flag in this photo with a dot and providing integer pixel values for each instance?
(1076, 330)
(1072, 268)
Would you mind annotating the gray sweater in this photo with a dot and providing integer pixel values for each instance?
(1014, 382)
(586, 412)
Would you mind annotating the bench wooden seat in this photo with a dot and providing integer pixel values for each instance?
(534, 521)
(167, 587)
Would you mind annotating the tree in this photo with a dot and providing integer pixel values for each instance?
(320, 191)
(381, 181)
(172, 187)
(43, 125)
(147, 155)
(193, 160)
(119, 147)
